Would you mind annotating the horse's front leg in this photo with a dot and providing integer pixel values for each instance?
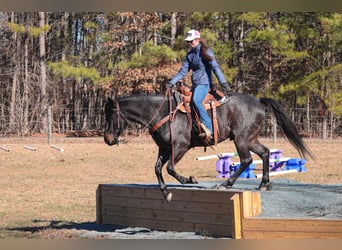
(162, 159)
(178, 155)
(183, 180)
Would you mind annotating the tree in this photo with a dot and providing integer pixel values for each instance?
(69, 59)
(43, 82)
(318, 81)
(267, 45)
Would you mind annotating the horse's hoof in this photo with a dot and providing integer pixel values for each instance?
(193, 180)
(168, 197)
(266, 187)
(216, 186)
(222, 187)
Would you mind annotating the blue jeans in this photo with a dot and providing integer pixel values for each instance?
(199, 92)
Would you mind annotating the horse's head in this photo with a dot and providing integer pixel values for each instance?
(115, 122)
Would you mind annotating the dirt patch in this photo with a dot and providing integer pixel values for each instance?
(49, 193)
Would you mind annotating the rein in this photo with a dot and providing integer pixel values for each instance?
(171, 135)
(169, 117)
(126, 140)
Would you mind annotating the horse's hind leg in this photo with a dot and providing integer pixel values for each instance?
(245, 159)
(264, 154)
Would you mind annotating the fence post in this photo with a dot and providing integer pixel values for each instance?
(274, 129)
(49, 124)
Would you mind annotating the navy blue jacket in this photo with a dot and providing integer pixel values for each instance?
(201, 70)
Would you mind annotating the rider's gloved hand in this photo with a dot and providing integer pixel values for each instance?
(226, 88)
(213, 88)
(169, 85)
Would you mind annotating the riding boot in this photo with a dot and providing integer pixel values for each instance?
(206, 134)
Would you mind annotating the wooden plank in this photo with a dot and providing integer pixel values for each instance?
(290, 235)
(99, 205)
(256, 203)
(201, 228)
(179, 206)
(280, 224)
(153, 192)
(250, 204)
(236, 227)
(262, 228)
(169, 215)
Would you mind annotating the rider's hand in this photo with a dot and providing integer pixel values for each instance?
(213, 88)
(169, 85)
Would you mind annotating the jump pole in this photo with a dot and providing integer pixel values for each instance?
(4, 148)
(58, 148)
(283, 159)
(274, 173)
(218, 156)
(30, 148)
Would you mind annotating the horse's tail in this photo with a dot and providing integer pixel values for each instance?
(287, 126)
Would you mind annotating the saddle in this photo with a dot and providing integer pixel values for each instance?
(211, 101)
(183, 99)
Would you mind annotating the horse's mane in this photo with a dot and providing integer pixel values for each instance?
(142, 96)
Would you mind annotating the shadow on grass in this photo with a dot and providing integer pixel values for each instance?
(60, 225)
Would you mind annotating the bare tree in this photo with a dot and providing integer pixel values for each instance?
(43, 82)
(173, 28)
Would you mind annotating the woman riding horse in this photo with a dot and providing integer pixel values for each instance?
(201, 60)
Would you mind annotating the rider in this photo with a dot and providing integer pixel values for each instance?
(201, 60)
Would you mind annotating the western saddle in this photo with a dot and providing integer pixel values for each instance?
(183, 99)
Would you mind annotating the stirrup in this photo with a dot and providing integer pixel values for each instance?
(206, 135)
(206, 139)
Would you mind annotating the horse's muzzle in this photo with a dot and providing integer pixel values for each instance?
(111, 140)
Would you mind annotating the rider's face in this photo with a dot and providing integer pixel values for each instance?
(193, 43)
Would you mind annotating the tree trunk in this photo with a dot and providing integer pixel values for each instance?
(308, 117)
(269, 69)
(325, 125)
(43, 84)
(173, 28)
(12, 121)
(12, 110)
(26, 92)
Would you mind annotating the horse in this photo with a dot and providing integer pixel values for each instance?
(240, 118)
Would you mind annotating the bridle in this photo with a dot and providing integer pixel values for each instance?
(120, 114)
(170, 117)
(117, 129)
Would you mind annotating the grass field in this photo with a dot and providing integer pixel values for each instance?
(49, 194)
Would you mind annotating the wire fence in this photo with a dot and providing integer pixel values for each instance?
(313, 124)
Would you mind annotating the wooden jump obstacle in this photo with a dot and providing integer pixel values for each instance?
(209, 212)
(219, 213)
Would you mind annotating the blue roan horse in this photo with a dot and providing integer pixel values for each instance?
(239, 119)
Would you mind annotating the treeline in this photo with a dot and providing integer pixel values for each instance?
(68, 60)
